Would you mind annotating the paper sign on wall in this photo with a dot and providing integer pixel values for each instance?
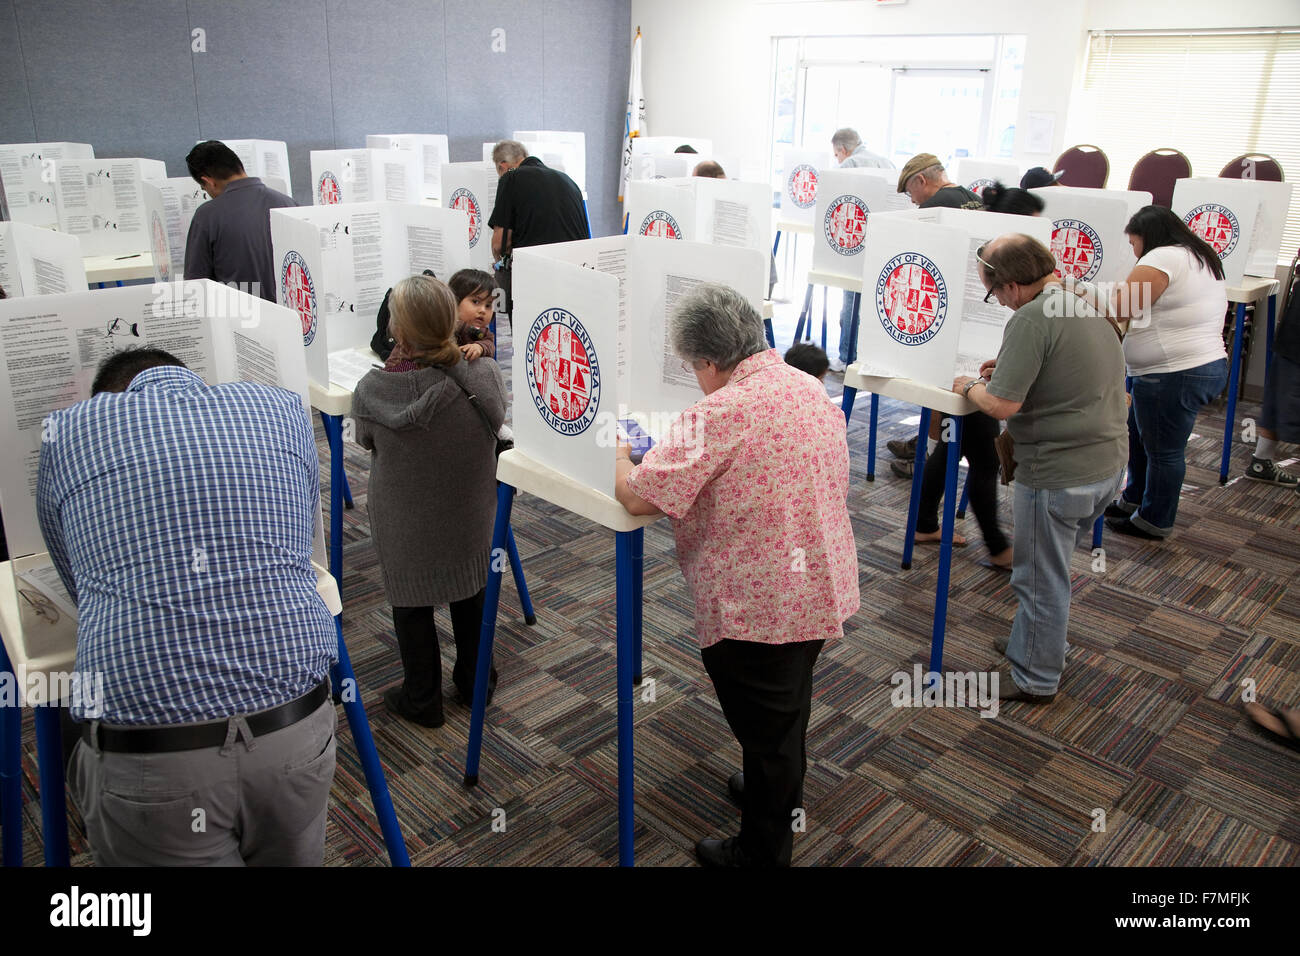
(1225, 215)
(51, 346)
(581, 310)
(1088, 236)
(37, 261)
(170, 205)
(846, 198)
(472, 188)
(365, 175)
(101, 202)
(27, 180)
(799, 179)
(431, 153)
(334, 264)
(977, 174)
(267, 159)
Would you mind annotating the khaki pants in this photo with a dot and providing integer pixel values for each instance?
(255, 802)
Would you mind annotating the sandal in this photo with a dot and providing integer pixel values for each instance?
(1283, 723)
(958, 541)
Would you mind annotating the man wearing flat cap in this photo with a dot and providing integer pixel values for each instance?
(927, 185)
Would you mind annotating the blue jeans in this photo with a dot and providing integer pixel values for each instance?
(1160, 421)
(846, 328)
(1048, 526)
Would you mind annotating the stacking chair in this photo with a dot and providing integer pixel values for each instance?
(1084, 166)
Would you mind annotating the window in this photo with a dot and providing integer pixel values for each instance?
(1214, 96)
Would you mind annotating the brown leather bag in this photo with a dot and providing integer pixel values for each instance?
(1006, 449)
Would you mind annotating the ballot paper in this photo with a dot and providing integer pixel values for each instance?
(349, 366)
(101, 202)
(27, 180)
(44, 580)
(37, 261)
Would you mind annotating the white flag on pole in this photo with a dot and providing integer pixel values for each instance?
(635, 124)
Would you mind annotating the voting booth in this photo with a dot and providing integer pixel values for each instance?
(101, 202)
(27, 180)
(698, 209)
(666, 145)
(267, 159)
(1241, 218)
(976, 174)
(334, 265)
(799, 179)
(365, 175)
(923, 313)
(592, 350)
(565, 150)
(36, 261)
(663, 165)
(430, 151)
(1088, 238)
(846, 199)
(472, 188)
(169, 208)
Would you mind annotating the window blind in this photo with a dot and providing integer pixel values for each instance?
(1214, 96)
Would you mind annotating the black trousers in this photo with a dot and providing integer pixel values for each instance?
(766, 695)
(417, 642)
(977, 433)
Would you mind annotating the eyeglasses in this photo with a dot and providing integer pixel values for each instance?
(979, 257)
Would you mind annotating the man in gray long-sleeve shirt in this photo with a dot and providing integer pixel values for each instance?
(230, 237)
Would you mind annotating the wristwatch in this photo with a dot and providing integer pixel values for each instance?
(965, 392)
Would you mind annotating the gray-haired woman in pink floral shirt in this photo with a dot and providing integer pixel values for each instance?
(755, 476)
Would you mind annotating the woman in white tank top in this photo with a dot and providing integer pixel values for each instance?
(1175, 299)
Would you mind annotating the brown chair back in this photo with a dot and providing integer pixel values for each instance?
(1156, 173)
(1084, 165)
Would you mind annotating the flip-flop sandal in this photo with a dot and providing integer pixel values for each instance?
(1284, 726)
(986, 563)
(955, 543)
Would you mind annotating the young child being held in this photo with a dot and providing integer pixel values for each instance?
(808, 358)
(475, 291)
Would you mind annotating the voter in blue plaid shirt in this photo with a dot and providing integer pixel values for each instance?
(181, 519)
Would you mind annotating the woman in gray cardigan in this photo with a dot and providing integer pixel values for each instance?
(432, 493)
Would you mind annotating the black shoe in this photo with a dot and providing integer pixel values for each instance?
(465, 692)
(1133, 531)
(1117, 511)
(902, 450)
(719, 852)
(394, 702)
(903, 469)
(736, 788)
(1001, 643)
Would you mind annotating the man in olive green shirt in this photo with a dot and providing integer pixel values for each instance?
(1058, 380)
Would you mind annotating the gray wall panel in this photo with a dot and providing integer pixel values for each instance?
(266, 76)
(115, 75)
(588, 49)
(17, 124)
(489, 95)
(388, 71)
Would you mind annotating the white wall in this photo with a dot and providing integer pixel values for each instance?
(707, 64)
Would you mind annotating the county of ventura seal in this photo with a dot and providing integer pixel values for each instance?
(161, 257)
(911, 298)
(845, 224)
(298, 293)
(979, 185)
(327, 189)
(1217, 225)
(464, 199)
(801, 185)
(1077, 248)
(563, 373)
(661, 224)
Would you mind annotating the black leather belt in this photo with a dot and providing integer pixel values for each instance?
(156, 740)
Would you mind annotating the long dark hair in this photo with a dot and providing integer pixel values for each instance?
(1011, 200)
(1157, 226)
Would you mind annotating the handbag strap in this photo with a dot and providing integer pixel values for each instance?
(473, 400)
